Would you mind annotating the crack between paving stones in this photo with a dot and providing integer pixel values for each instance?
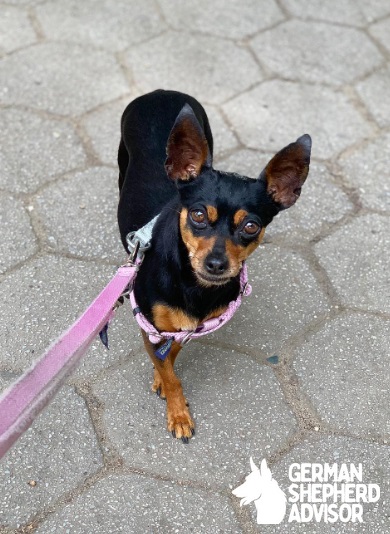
(255, 354)
(36, 24)
(376, 43)
(18, 266)
(353, 97)
(296, 399)
(111, 457)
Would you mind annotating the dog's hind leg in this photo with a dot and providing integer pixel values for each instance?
(180, 423)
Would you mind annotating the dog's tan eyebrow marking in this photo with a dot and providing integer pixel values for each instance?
(239, 216)
(198, 247)
(238, 253)
(212, 213)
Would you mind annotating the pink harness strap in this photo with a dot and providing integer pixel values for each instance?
(24, 400)
(183, 336)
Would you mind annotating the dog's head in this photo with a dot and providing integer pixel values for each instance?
(254, 484)
(224, 215)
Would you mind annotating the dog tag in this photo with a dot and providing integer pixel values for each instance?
(163, 351)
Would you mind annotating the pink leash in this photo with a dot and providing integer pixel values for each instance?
(26, 398)
(21, 403)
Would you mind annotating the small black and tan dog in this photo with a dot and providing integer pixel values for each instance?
(209, 222)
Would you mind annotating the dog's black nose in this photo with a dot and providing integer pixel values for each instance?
(216, 265)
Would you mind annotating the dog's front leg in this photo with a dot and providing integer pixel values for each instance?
(180, 423)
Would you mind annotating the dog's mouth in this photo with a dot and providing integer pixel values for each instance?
(212, 280)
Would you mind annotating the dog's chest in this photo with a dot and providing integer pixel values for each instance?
(168, 319)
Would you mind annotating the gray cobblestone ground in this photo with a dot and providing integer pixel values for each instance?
(302, 373)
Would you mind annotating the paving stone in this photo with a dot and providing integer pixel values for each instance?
(15, 29)
(343, 367)
(175, 60)
(317, 449)
(134, 503)
(103, 128)
(244, 161)
(57, 452)
(276, 113)
(291, 51)
(42, 299)
(18, 240)
(367, 169)
(87, 200)
(322, 202)
(24, 2)
(371, 91)
(224, 18)
(236, 403)
(49, 148)
(357, 259)
(224, 139)
(285, 298)
(381, 31)
(36, 77)
(114, 26)
(351, 12)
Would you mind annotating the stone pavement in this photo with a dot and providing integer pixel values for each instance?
(302, 373)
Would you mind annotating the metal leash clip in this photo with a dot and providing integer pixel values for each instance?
(138, 242)
(187, 338)
(136, 250)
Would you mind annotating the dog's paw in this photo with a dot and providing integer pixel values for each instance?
(180, 424)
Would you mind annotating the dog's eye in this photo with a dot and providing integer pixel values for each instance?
(251, 228)
(199, 218)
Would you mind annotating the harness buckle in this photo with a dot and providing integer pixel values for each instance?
(243, 290)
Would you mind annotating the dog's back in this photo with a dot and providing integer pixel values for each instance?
(143, 182)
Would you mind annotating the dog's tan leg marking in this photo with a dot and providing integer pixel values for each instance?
(180, 422)
(158, 385)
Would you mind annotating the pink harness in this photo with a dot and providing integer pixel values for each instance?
(21, 403)
(183, 336)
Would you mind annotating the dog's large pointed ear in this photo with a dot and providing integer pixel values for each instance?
(265, 471)
(287, 171)
(187, 147)
(253, 465)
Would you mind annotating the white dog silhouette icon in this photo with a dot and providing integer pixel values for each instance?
(269, 499)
